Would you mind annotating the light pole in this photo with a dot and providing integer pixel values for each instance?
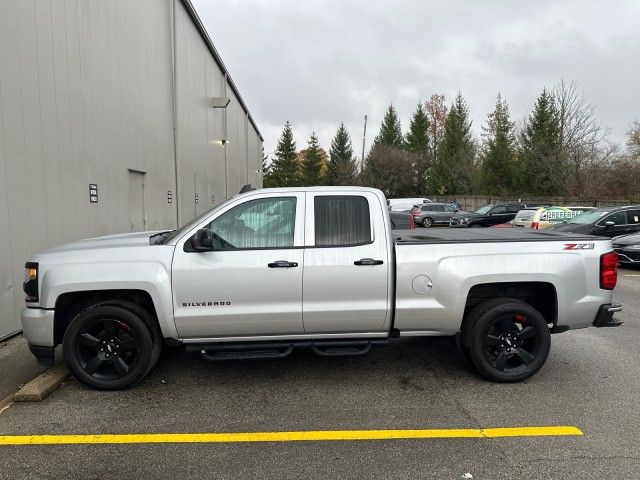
(364, 140)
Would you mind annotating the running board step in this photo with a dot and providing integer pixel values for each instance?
(340, 349)
(245, 352)
(251, 351)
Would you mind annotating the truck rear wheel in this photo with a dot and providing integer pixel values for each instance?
(507, 340)
(108, 347)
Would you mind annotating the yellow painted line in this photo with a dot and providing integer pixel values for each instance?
(303, 436)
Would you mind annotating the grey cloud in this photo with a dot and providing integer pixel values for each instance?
(318, 63)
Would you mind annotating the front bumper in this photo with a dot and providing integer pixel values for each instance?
(37, 326)
(604, 318)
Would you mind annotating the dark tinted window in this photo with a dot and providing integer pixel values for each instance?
(514, 208)
(341, 220)
(436, 208)
(633, 217)
(499, 210)
(618, 218)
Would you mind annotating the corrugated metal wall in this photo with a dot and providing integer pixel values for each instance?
(86, 96)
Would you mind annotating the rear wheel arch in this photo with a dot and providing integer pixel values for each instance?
(540, 295)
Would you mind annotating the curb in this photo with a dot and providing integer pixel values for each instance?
(43, 385)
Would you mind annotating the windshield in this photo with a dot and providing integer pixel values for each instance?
(525, 215)
(483, 210)
(586, 218)
(188, 226)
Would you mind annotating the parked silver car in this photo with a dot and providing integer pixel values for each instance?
(431, 214)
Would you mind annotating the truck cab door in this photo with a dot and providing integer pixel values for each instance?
(347, 264)
(250, 283)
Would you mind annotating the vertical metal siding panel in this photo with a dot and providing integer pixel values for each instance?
(88, 107)
(79, 182)
(66, 174)
(7, 311)
(49, 125)
(11, 161)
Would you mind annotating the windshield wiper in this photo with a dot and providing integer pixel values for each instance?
(159, 237)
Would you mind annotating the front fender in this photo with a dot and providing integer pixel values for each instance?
(151, 277)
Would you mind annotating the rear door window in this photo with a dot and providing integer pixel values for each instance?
(499, 211)
(633, 217)
(341, 220)
(618, 218)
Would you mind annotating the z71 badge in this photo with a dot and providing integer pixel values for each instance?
(579, 246)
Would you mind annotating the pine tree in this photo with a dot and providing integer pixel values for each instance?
(312, 162)
(342, 166)
(498, 152)
(541, 149)
(390, 131)
(453, 171)
(266, 170)
(436, 111)
(285, 171)
(417, 146)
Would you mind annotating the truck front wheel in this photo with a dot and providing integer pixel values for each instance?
(507, 340)
(108, 347)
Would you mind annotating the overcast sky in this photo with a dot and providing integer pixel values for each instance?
(319, 63)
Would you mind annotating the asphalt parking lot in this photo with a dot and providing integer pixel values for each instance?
(590, 382)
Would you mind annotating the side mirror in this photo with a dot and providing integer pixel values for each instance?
(608, 224)
(202, 241)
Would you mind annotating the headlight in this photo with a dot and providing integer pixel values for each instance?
(30, 285)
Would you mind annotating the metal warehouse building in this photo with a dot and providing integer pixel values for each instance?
(115, 116)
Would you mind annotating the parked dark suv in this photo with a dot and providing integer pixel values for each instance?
(605, 222)
(489, 215)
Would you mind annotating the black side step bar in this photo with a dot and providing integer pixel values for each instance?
(255, 350)
(340, 348)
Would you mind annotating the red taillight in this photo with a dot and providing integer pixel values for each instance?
(609, 270)
(535, 225)
(412, 222)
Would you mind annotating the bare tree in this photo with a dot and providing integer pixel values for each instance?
(437, 116)
(582, 136)
(633, 140)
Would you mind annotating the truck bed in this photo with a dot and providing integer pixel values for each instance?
(485, 235)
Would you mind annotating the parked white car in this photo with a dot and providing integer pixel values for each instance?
(403, 204)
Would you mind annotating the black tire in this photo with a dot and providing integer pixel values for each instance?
(507, 340)
(427, 222)
(150, 322)
(108, 347)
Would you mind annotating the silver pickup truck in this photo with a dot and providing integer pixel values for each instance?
(276, 269)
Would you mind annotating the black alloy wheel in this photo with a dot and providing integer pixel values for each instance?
(108, 347)
(507, 340)
(510, 345)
